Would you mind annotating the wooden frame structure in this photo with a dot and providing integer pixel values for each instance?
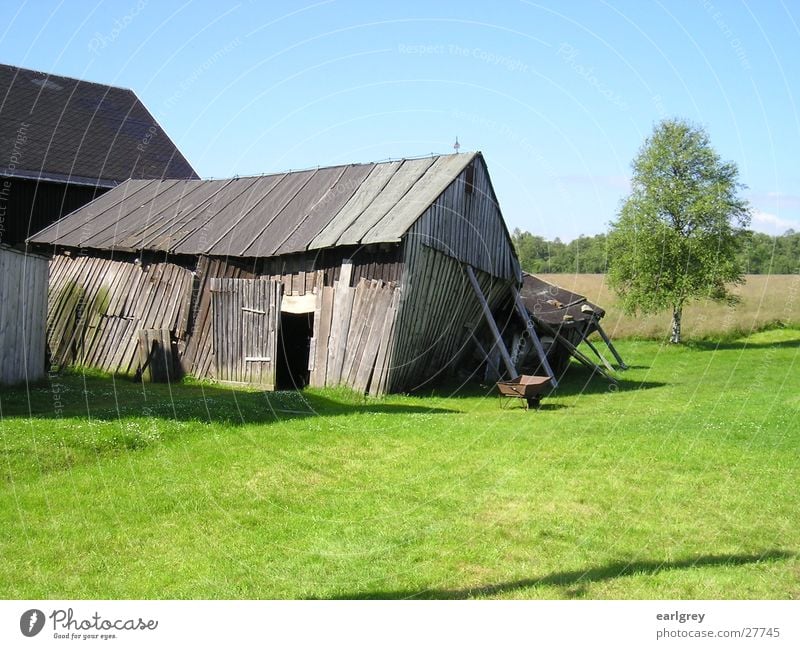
(568, 319)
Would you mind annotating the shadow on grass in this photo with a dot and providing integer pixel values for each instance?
(742, 345)
(575, 582)
(74, 396)
(577, 380)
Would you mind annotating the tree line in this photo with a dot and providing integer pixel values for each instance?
(760, 253)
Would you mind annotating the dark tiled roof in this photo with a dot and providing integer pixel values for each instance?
(62, 129)
(263, 216)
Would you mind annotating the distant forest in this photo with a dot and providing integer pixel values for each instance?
(762, 254)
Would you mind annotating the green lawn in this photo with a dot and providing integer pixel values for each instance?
(682, 483)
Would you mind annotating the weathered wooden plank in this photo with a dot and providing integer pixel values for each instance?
(376, 330)
(156, 360)
(537, 344)
(355, 329)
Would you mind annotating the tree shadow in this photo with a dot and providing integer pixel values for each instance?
(575, 582)
(740, 345)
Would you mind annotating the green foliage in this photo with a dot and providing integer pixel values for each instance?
(680, 230)
(764, 254)
(760, 254)
(582, 255)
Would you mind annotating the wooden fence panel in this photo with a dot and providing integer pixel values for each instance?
(23, 316)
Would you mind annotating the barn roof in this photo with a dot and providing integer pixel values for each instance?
(66, 130)
(554, 305)
(262, 216)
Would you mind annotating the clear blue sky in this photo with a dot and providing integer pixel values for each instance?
(558, 95)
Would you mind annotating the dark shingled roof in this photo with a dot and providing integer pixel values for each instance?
(261, 216)
(66, 130)
(550, 303)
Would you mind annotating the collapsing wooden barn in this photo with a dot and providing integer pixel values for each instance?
(375, 276)
(563, 321)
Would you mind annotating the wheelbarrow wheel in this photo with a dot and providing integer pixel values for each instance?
(534, 402)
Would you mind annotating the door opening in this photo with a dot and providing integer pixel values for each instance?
(294, 343)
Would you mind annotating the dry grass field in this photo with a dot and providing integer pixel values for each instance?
(765, 300)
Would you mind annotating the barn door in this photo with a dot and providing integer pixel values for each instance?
(246, 316)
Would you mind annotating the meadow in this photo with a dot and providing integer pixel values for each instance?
(765, 300)
(678, 482)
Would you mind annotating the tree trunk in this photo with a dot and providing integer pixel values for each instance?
(677, 311)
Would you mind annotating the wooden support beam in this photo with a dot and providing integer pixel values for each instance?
(489, 362)
(610, 345)
(487, 312)
(587, 331)
(526, 318)
(578, 354)
(597, 353)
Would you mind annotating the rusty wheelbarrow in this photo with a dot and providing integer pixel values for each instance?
(525, 387)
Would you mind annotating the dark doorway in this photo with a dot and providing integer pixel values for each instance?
(294, 342)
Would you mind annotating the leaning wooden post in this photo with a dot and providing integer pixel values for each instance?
(487, 312)
(577, 353)
(610, 345)
(585, 338)
(489, 362)
(526, 318)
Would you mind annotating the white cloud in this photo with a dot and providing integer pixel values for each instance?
(771, 223)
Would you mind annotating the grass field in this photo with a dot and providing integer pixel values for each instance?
(680, 483)
(765, 300)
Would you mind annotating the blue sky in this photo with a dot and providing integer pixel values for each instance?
(558, 95)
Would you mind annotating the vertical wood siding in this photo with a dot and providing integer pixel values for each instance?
(439, 309)
(246, 317)
(438, 312)
(468, 225)
(23, 313)
(96, 308)
(299, 275)
(353, 334)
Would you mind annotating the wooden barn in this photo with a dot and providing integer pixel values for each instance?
(377, 276)
(64, 142)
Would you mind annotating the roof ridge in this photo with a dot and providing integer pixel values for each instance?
(64, 76)
(344, 164)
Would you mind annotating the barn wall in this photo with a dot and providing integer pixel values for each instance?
(353, 333)
(300, 275)
(96, 308)
(439, 309)
(30, 205)
(436, 315)
(23, 313)
(465, 222)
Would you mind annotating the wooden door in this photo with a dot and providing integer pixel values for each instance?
(246, 316)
